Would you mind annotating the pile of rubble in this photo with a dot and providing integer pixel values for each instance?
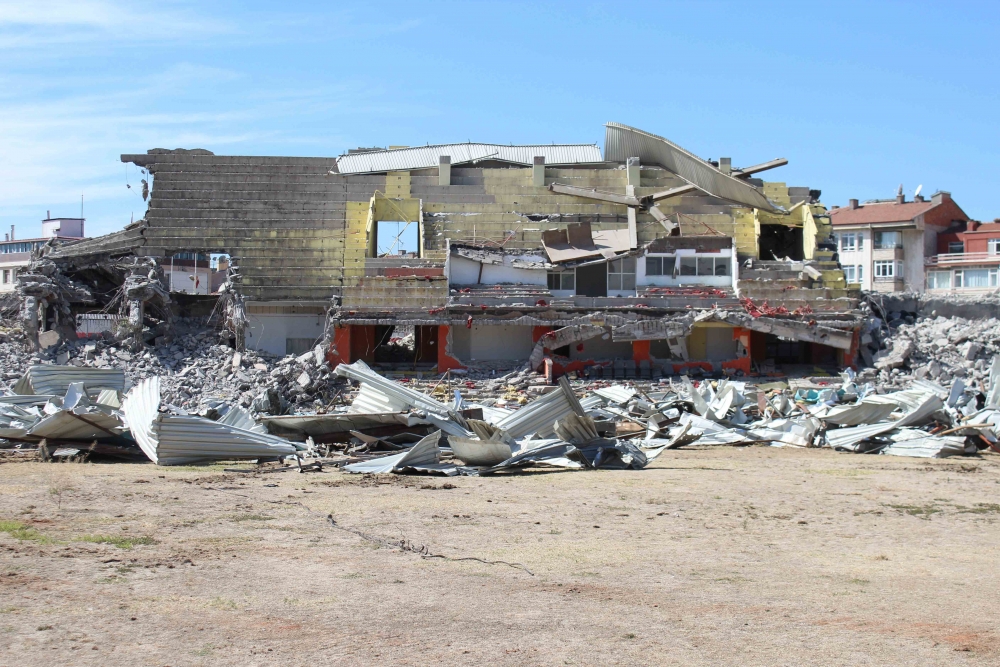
(197, 373)
(939, 349)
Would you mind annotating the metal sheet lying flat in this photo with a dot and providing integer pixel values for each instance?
(922, 406)
(422, 157)
(298, 427)
(77, 424)
(864, 412)
(914, 442)
(175, 440)
(623, 142)
(26, 399)
(43, 379)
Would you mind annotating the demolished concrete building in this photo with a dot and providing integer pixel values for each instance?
(642, 261)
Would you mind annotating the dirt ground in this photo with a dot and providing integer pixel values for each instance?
(756, 556)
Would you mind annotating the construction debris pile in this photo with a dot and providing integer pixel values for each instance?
(197, 373)
(939, 349)
(934, 391)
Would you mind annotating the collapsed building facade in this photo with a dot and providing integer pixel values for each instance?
(642, 260)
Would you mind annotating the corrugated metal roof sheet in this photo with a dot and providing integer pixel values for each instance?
(617, 393)
(425, 455)
(539, 416)
(176, 440)
(422, 157)
(76, 424)
(46, 379)
(622, 142)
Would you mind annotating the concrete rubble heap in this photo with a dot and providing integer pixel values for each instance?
(255, 407)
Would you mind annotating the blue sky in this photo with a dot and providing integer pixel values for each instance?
(860, 97)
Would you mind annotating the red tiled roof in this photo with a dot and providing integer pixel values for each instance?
(874, 213)
(985, 228)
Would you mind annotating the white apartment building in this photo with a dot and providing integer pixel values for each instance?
(15, 254)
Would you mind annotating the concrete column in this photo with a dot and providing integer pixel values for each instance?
(726, 165)
(444, 170)
(538, 172)
(632, 174)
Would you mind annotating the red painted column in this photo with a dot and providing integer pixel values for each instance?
(340, 347)
(446, 362)
(640, 351)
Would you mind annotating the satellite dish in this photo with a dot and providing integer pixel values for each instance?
(917, 191)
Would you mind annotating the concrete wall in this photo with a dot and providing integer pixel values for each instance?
(914, 241)
(600, 348)
(269, 331)
(464, 271)
(488, 343)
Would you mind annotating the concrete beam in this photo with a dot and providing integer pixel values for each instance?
(588, 193)
(738, 173)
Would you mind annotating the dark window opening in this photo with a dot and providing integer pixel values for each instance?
(779, 242)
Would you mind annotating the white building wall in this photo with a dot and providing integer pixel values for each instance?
(269, 332)
(488, 343)
(862, 258)
(464, 271)
(12, 267)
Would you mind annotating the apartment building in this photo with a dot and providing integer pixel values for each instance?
(967, 259)
(883, 244)
(15, 254)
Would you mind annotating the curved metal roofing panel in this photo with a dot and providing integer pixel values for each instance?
(622, 142)
(422, 157)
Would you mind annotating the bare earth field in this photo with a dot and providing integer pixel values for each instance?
(756, 556)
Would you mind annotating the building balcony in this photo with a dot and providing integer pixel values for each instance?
(960, 258)
(892, 252)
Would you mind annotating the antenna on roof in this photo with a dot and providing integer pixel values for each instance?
(917, 191)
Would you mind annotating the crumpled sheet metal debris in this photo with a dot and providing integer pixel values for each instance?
(539, 416)
(55, 380)
(178, 440)
(424, 456)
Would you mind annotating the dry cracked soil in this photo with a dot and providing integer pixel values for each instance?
(753, 556)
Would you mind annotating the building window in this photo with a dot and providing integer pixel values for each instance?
(955, 247)
(689, 266)
(993, 246)
(713, 266)
(659, 266)
(975, 278)
(887, 270)
(939, 280)
(888, 240)
(860, 273)
(6, 276)
(621, 274)
(562, 281)
(850, 274)
(851, 242)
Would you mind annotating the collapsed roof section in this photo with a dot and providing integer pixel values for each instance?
(623, 142)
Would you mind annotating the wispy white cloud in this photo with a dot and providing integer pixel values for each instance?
(42, 23)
